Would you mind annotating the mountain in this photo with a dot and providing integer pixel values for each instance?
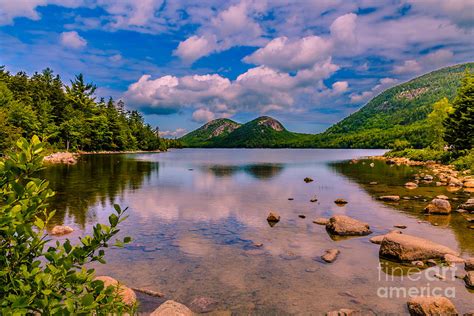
(397, 113)
(209, 132)
(261, 132)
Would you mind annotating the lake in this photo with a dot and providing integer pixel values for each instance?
(197, 217)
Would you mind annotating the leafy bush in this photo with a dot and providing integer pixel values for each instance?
(401, 144)
(465, 162)
(38, 275)
(426, 154)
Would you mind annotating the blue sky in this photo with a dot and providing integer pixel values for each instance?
(182, 63)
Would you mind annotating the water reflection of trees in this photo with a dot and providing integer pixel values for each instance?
(94, 179)
(390, 181)
(259, 171)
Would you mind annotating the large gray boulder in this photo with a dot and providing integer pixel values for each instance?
(431, 305)
(172, 308)
(410, 248)
(343, 225)
(438, 206)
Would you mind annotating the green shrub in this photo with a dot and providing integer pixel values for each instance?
(465, 162)
(426, 154)
(38, 275)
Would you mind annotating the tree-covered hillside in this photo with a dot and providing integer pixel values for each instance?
(397, 113)
(207, 134)
(69, 116)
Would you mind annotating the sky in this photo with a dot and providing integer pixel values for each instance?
(306, 63)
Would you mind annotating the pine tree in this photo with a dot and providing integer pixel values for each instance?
(459, 125)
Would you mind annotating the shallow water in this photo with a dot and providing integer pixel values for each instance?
(196, 214)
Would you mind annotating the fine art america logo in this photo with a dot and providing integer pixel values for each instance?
(405, 282)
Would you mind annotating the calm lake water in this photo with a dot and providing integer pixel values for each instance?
(195, 216)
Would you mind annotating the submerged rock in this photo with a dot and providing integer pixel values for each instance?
(172, 308)
(410, 248)
(61, 230)
(430, 305)
(203, 304)
(378, 239)
(273, 217)
(342, 312)
(450, 259)
(469, 279)
(438, 206)
(340, 201)
(343, 225)
(127, 295)
(390, 198)
(321, 221)
(411, 185)
(330, 255)
(469, 264)
(468, 205)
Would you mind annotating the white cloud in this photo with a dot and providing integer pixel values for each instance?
(173, 134)
(72, 39)
(383, 84)
(203, 115)
(259, 89)
(343, 29)
(10, 9)
(340, 87)
(289, 55)
(460, 12)
(195, 47)
(432, 60)
(233, 26)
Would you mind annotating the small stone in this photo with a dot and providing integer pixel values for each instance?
(442, 197)
(431, 263)
(469, 264)
(308, 180)
(313, 200)
(172, 308)
(343, 225)
(340, 201)
(411, 185)
(330, 255)
(203, 304)
(342, 312)
(418, 264)
(372, 165)
(373, 183)
(273, 217)
(451, 259)
(321, 221)
(290, 199)
(469, 279)
(431, 305)
(400, 226)
(438, 206)
(258, 244)
(302, 216)
(390, 198)
(126, 294)
(61, 230)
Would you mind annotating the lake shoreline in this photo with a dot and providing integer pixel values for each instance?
(71, 158)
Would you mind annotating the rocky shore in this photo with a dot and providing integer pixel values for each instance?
(69, 158)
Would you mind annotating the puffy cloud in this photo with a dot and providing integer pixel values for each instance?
(383, 84)
(434, 59)
(343, 29)
(11, 9)
(195, 47)
(408, 66)
(259, 89)
(230, 27)
(72, 39)
(339, 87)
(460, 12)
(173, 134)
(203, 115)
(289, 55)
